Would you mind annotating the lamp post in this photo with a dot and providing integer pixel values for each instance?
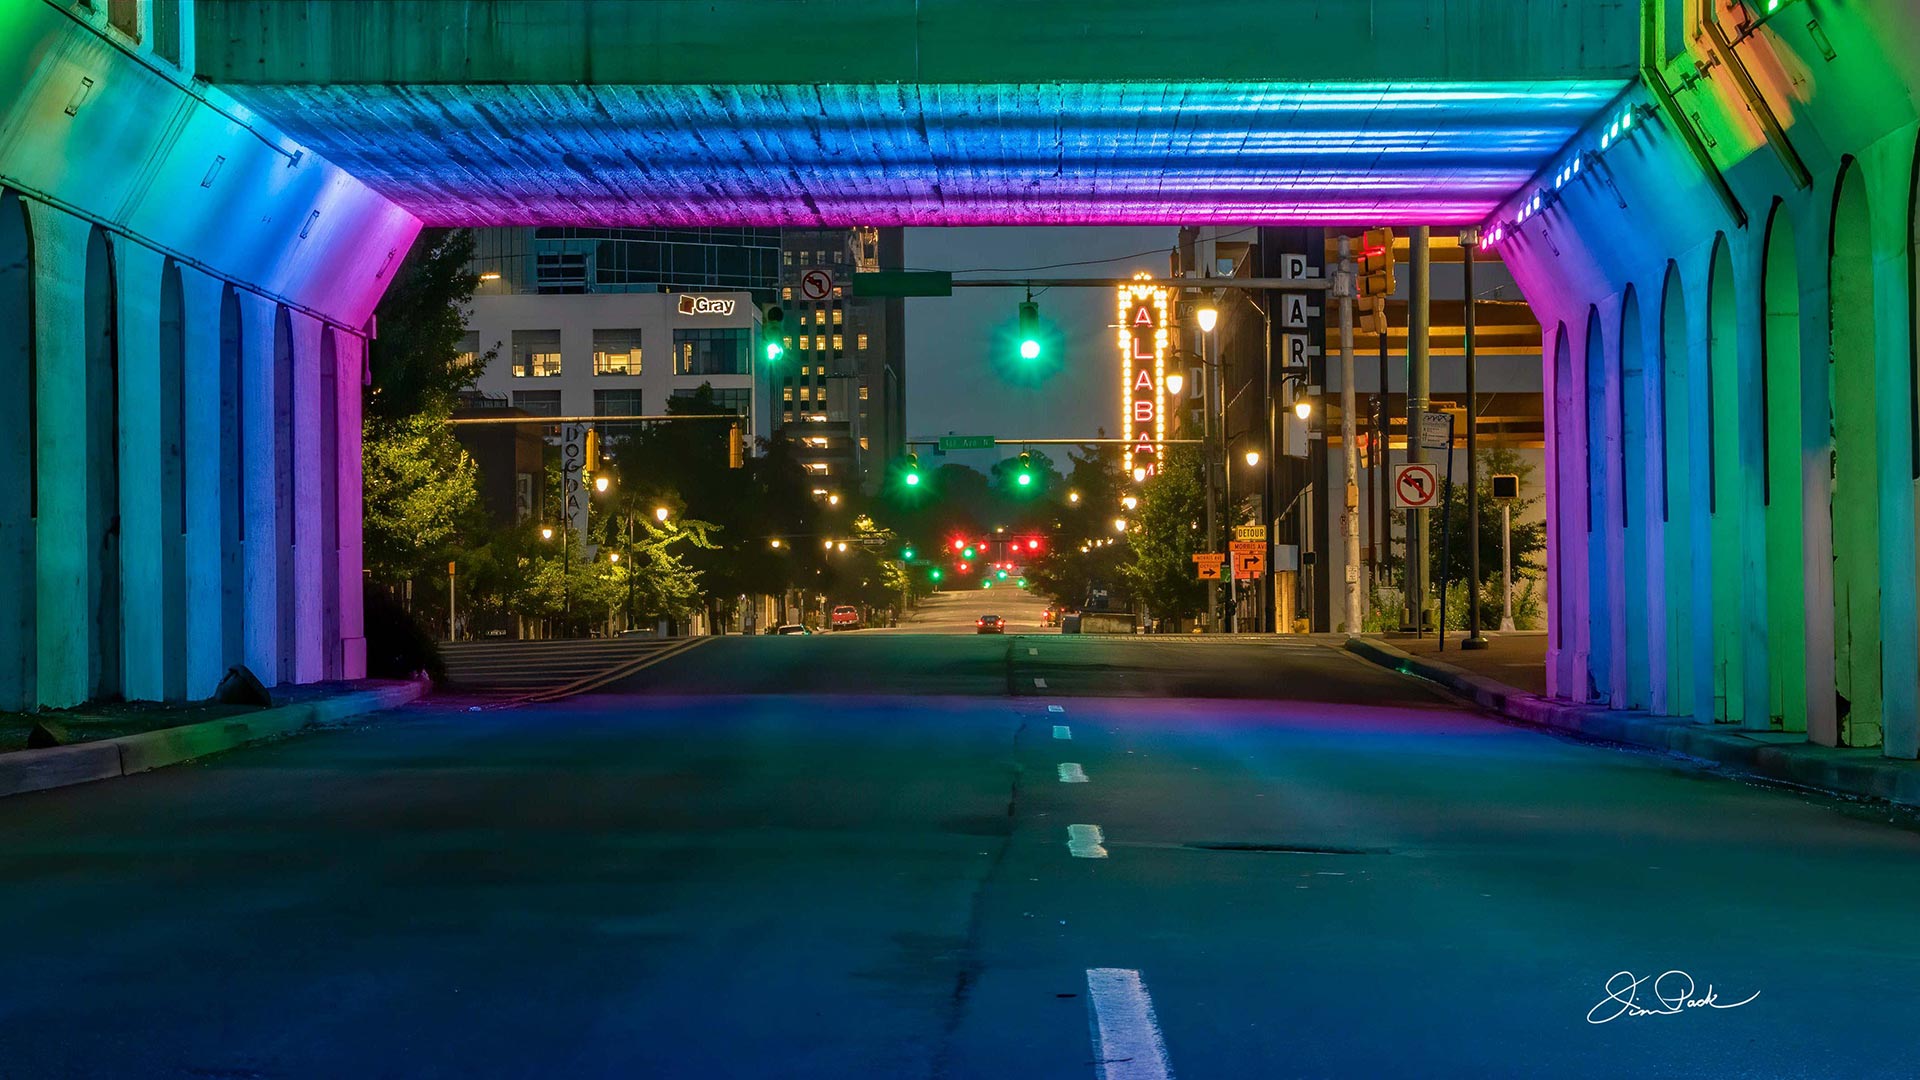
(1208, 317)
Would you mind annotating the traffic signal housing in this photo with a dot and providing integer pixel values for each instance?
(911, 477)
(1024, 477)
(1029, 330)
(736, 448)
(1376, 264)
(1370, 315)
(773, 330)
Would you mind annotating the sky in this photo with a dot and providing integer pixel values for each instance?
(963, 372)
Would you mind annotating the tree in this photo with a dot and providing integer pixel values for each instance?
(1166, 535)
(416, 361)
(1529, 538)
(419, 493)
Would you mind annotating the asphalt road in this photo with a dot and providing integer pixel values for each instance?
(868, 855)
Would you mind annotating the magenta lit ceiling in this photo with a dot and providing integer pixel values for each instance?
(1008, 154)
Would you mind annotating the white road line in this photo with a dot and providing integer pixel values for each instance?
(1039, 683)
(1126, 1036)
(1085, 842)
(1072, 773)
(1062, 731)
(1056, 708)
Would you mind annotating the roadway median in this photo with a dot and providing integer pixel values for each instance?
(1779, 757)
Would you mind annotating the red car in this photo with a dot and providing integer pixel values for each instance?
(846, 617)
(990, 624)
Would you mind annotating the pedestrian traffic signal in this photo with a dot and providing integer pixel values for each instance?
(1370, 315)
(773, 328)
(1376, 263)
(1029, 330)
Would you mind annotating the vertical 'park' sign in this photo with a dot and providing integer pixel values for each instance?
(1143, 364)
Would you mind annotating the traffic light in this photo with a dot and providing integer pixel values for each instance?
(907, 553)
(1376, 263)
(912, 477)
(1370, 315)
(968, 553)
(591, 464)
(736, 448)
(773, 326)
(1029, 330)
(1025, 476)
(935, 574)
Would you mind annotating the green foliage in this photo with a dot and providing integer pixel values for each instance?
(1529, 538)
(1170, 518)
(415, 361)
(419, 496)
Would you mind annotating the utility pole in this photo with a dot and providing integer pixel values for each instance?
(1267, 577)
(1207, 392)
(1468, 241)
(1350, 510)
(1418, 323)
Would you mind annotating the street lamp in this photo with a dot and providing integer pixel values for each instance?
(1119, 524)
(600, 484)
(1208, 316)
(1253, 458)
(1129, 502)
(1176, 383)
(841, 546)
(1303, 408)
(1073, 497)
(613, 556)
(833, 500)
(546, 532)
(1139, 473)
(775, 542)
(661, 514)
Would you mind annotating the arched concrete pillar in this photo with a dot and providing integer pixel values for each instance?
(62, 637)
(172, 451)
(259, 527)
(17, 458)
(327, 478)
(203, 429)
(1688, 553)
(1785, 501)
(1636, 437)
(1566, 533)
(1659, 690)
(1730, 418)
(137, 284)
(1599, 404)
(350, 353)
(232, 468)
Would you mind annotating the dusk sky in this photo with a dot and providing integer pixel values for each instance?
(963, 374)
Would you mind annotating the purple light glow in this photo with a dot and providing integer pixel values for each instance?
(1105, 153)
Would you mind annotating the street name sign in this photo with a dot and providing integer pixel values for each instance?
(966, 442)
(1416, 486)
(1436, 431)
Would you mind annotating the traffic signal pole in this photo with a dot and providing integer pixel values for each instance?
(1468, 241)
(1350, 451)
(1417, 400)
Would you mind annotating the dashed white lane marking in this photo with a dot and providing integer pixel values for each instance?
(1056, 708)
(1072, 773)
(1039, 683)
(1033, 652)
(1085, 842)
(1126, 1036)
(1062, 731)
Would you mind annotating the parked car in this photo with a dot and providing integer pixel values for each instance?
(846, 617)
(1047, 617)
(990, 624)
(791, 628)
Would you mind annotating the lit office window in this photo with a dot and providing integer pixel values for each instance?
(786, 393)
(838, 343)
(806, 393)
(616, 352)
(837, 316)
(863, 393)
(536, 353)
(468, 354)
(711, 351)
(861, 341)
(806, 342)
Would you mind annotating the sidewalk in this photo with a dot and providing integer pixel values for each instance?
(1488, 678)
(1516, 657)
(120, 740)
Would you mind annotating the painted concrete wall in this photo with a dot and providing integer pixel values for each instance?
(136, 190)
(1773, 575)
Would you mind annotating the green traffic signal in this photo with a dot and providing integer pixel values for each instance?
(913, 479)
(1022, 583)
(1001, 574)
(1026, 479)
(967, 554)
(1029, 330)
(986, 583)
(934, 574)
(907, 554)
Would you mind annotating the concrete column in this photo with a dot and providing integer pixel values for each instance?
(351, 352)
(1550, 380)
(308, 649)
(1889, 166)
(61, 631)
(17, 598)
(1653, 485)
(1815, 235)
(143, 606)
(260, 548)
(200, 302)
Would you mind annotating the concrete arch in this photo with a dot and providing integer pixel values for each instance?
(1725, 497)
(1637, 507)
(328, 406)
(1566, 524)
(19, 482)
(1599, 442)
(1689, 594)
(284, 595)
(173, 481)
(233, 483)
(1780, 368)
(101, 350)
(1854, 493)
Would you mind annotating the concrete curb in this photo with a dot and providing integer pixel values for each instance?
(37, 770)
(1855, 773)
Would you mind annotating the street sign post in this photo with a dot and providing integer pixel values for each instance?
(1206, 565)
(1416, 486)
(965, 442)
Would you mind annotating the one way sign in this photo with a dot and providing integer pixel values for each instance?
(1415, 486)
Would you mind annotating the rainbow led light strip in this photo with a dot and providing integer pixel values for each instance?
(1134, 301)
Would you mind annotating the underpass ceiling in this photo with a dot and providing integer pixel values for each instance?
(938, 154)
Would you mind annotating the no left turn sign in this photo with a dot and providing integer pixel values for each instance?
(815, 284)
(1416, 486)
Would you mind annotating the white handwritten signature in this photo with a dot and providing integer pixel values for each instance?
(1672, 989)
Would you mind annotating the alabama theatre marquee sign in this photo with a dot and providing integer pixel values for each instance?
(1143, 367)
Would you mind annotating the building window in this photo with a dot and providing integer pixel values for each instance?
(861, 341)
(469, 354)
(735, 400)
(786, 292)
(536, 353)
(806, 393)
(786, 258)
(837, 313)
(622, 402)
(838, 344)
(863, 393)
(806, 342)
(166, 30)
(863, 442)
(560, 272)
(720, 350)
(616, 352)
(538, 402)
(786, 393)
(124, 16)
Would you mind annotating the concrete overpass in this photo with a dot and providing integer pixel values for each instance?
(1710, 205)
